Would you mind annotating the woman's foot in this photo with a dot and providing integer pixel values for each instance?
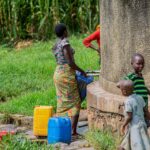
(76, 135)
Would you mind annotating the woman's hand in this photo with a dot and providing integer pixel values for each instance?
(84, 74)
(99, 51)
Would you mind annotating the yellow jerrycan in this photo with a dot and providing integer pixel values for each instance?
(40, 120)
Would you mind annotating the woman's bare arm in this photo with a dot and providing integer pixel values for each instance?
(69, 57)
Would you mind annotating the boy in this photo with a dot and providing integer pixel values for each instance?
(137, 62)
(136, 77)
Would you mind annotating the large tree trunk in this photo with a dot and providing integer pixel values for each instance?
(125, 30)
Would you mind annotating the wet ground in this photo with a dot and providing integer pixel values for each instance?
(23, 125)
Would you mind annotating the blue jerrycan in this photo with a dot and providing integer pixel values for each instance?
(82, 82)
(59, 130)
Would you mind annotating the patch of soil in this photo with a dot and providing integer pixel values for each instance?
(23, 44)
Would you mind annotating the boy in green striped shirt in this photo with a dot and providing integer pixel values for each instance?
(136, 77)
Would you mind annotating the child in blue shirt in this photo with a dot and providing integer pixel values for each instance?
(136, 136)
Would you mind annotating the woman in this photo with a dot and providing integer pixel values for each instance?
(68, 99)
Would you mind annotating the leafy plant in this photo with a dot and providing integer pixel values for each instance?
(22, 19)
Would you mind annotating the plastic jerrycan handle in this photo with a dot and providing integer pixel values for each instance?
(66, 122)
(89, 79)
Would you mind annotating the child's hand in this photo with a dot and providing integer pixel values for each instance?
(148, 91)
(123, 130)
(118, 85)
(121, 105)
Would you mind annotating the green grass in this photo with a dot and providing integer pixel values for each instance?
(18, 142)
(102, 140)
(26, 75)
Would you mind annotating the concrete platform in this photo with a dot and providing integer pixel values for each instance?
(104, 108)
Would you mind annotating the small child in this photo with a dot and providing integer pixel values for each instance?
(136, 137)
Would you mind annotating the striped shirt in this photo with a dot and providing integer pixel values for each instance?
(139, 86)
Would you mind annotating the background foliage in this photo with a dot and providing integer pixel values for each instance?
(26, 75)
(21, 19)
